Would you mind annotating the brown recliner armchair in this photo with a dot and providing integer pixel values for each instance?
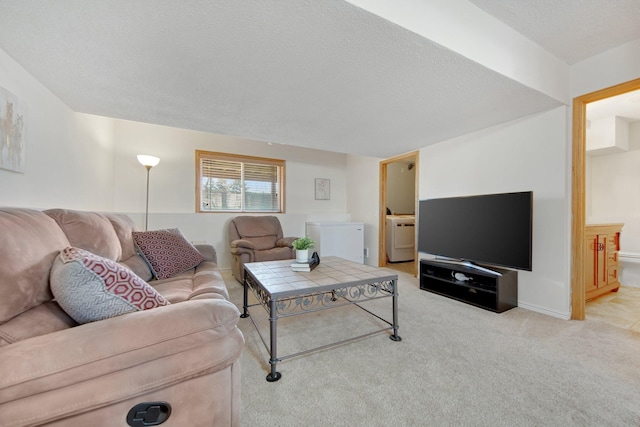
(257, 238)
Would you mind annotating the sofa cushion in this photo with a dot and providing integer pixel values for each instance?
(139, 266)
(89, 287)
(90, 231)
(273, 254)
(263, 243)
(203, 282)
(167, 251)
(42, 319)
(30, 241)
(123, 226)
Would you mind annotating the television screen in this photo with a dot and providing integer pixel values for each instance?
(493, 229)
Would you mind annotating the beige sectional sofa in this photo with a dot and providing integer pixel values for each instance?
(53, 371)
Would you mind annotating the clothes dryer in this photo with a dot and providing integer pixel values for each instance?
(400, 237)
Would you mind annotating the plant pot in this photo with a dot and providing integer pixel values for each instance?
(302, 255)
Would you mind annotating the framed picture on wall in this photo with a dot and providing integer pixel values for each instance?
(12, 150)
(323, 189)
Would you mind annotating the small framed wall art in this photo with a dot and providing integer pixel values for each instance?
(323, 189)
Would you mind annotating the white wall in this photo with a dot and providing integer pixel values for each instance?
(402, 188)
(69, 156)
(172, 182)
(363, 195)
(527, 154)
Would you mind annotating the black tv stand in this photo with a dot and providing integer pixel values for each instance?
(470, 265)
(492, 292)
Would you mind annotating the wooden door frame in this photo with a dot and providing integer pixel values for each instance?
(382, 235)
(578, 186)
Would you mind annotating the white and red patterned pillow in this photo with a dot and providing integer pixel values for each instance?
(89, 287)
(168, 252)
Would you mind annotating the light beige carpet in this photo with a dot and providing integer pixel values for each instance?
(457, 365)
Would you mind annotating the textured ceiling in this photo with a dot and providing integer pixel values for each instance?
(319, 74)
(572, 30)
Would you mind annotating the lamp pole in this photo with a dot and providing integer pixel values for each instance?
(148, 162)
(146, 211)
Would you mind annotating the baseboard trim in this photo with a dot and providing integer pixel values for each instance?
(531, 307)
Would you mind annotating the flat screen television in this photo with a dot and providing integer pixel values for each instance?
(491, 229)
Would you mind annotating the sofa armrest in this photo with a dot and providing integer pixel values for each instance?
(285, 242)
(241, 243)
(115, 359)
(240, 247)
(208, 252)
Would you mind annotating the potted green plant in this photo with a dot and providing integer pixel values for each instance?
(302, 246)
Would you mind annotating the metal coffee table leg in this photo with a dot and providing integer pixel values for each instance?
(273, 317)
(395, 336)
(245, 312)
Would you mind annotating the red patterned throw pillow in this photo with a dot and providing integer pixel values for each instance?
(168, 252)
(90, 288)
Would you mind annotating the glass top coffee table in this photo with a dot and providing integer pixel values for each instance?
(334, 283)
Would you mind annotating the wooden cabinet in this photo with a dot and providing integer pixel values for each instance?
(601, 262)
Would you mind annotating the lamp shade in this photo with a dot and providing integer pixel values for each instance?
(150, 161)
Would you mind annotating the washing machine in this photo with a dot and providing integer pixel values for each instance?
(400, 237)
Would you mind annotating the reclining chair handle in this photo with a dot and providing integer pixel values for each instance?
(148, 414)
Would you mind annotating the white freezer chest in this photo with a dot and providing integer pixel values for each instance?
(341, 239)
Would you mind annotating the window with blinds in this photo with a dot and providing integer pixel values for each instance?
(233, 183)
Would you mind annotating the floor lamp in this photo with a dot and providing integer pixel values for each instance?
(148, 162)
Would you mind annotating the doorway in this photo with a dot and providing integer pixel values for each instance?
(578, 191)
(400, 206)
